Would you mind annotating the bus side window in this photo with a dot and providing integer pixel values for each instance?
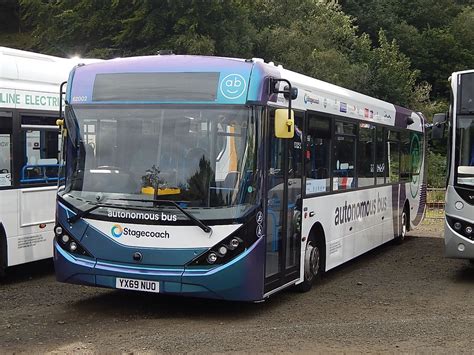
(41, 150)
(344, 156)
(405, 157)
(393, 156)
(5, 149)
(380, 160)
(317, 154)
(295, 151)
(365, 155)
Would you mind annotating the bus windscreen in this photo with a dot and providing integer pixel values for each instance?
(156, 87)
(466, 94)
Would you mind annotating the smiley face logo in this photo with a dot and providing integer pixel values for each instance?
(233, 86)
(116, 231)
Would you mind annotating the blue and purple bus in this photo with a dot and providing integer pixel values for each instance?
(227, 178)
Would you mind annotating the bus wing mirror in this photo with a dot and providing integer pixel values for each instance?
(437, 130)
(284, 125)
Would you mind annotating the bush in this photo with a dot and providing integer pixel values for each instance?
(436, 164)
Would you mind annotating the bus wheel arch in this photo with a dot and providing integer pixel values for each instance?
(314, 258)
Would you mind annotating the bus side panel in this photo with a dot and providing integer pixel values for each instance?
(354, 222)
(29, 222)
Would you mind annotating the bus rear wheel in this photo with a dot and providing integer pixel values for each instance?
(312, 266)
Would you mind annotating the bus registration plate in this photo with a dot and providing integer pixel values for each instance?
(137, 285)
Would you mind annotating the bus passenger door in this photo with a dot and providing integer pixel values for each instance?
(283, 199)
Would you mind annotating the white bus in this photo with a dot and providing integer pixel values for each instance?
(459, 221)
(185, 176)
(29, 145)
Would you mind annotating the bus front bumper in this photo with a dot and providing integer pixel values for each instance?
(241, 279)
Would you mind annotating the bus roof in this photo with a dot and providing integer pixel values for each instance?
(28, 79)
(135, 80)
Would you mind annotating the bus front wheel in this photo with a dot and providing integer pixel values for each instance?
(312, 265)
(403, 227)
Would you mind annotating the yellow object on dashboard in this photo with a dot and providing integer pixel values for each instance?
(164, 191)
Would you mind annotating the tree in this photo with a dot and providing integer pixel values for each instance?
(433, 34)
(85, 27)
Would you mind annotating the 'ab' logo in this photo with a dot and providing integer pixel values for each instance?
(233, 86)
(116, 231)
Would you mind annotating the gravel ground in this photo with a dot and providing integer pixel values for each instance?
(405, 298)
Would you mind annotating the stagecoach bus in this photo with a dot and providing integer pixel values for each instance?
(459, 221)
(227, 178)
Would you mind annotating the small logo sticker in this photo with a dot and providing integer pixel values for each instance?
(116, 231)
(233, 86)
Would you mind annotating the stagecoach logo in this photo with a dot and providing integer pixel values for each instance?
(116, 231)
(415, 165)
(311, 100)
(233, 86)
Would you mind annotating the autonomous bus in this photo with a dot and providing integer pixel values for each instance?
(227, 178)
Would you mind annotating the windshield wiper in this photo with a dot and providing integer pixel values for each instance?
(197, 221)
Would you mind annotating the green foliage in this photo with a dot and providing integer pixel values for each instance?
(437, 36)
(73, 27)
(436, 164)
(396, 50)
(390, 74)
(321, 41)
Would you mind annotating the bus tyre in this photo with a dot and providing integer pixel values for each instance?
(403, 227)
(312, 266)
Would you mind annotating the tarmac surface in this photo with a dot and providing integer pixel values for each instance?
(405, 298)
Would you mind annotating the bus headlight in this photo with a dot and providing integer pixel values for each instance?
(233, 245)
(212, 258)
(68, 243)
(73, 246)
(462, 227)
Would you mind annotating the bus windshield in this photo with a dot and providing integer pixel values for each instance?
(198, 157)
(465, 135)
